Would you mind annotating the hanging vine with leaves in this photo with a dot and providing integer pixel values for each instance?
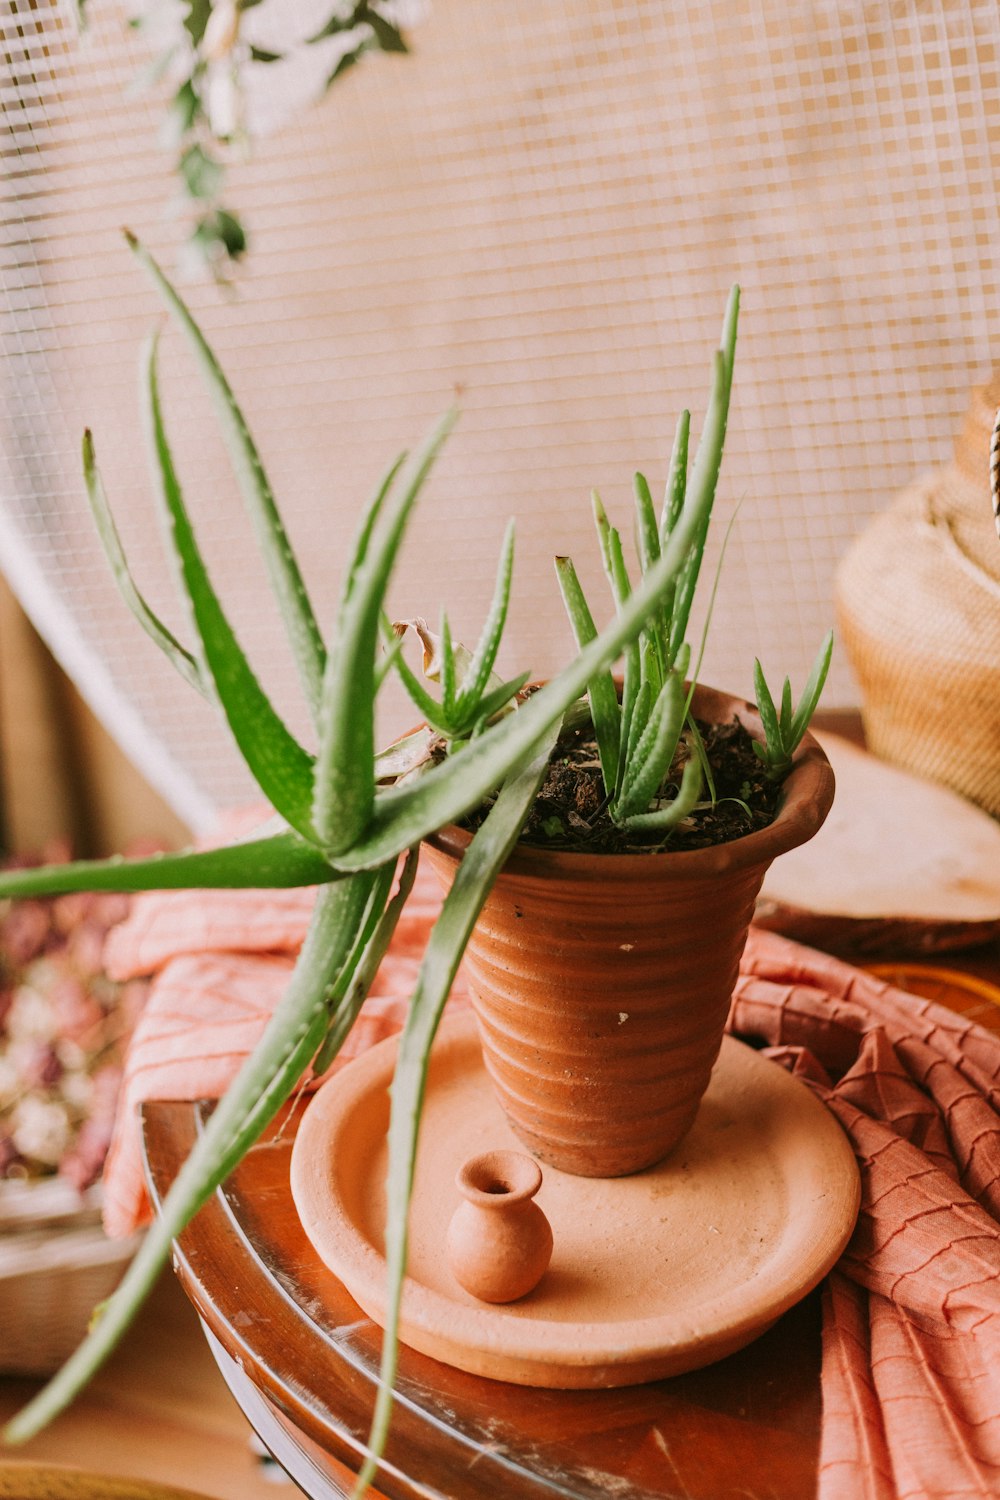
(202, 49)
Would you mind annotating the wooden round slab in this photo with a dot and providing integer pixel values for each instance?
(901, 866)
(651, 1275)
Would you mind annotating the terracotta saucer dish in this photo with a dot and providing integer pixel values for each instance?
(651, 1275)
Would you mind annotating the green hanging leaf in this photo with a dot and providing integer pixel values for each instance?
(345, 62)
(201, 174)
(388, 37)
(339, 22)
(230, 233)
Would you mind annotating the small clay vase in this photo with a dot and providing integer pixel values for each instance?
(499, 1242)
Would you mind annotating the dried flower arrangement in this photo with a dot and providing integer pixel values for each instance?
(63, 1029)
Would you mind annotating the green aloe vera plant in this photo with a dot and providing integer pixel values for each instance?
(343, 818)
(639, 733)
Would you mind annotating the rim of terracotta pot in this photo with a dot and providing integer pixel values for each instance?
(807, 795)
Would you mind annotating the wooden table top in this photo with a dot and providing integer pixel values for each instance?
(302, 1358)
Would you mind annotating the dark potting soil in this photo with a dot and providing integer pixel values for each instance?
(570, 811)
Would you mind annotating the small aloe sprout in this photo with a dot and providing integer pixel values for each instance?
(472, 694)
(785, 727)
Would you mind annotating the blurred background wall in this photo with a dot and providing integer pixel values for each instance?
(542, 208)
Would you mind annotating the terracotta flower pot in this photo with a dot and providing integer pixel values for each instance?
(602, 982)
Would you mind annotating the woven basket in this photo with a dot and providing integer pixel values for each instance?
(918, 604)
(56, 1265)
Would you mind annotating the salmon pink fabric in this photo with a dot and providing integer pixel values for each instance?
(208, 1006)
(911, 1315)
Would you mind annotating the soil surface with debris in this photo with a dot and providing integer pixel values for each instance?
(571, 813)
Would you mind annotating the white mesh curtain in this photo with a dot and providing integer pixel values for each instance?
(544, 206)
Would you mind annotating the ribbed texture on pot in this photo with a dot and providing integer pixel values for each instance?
(602, 982)
(918, 604)
(601, 1007)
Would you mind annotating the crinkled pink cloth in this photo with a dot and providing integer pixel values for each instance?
(911, 1315)
(221, 960)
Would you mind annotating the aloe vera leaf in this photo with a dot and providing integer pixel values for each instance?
(605, 710)
(371, 950)
(638, 721)
(447, 670)
(386, 662)
(683, 651)
(614, 567)
(477, 674)
(630, 692)
(695, 738)
(673, 503)
(787, 711)
(403, 755)
(688, 580)
(262, 1085)
(631, 654)
(345, 785)
(620, 581)
(278, 763)
(651, 663)
(673, 498)
(423, 700)
(481, 863)
(648, 547)
(603, 527)
(768, 714)
(404, 815)
(811, 692)
(654, 752)
(366, 526)
(283, 570)
(181, 659)
(273, 862)
(647, 533)
(668, 817)
(494, 701)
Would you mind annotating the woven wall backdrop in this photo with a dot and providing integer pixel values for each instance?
(544, 207)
